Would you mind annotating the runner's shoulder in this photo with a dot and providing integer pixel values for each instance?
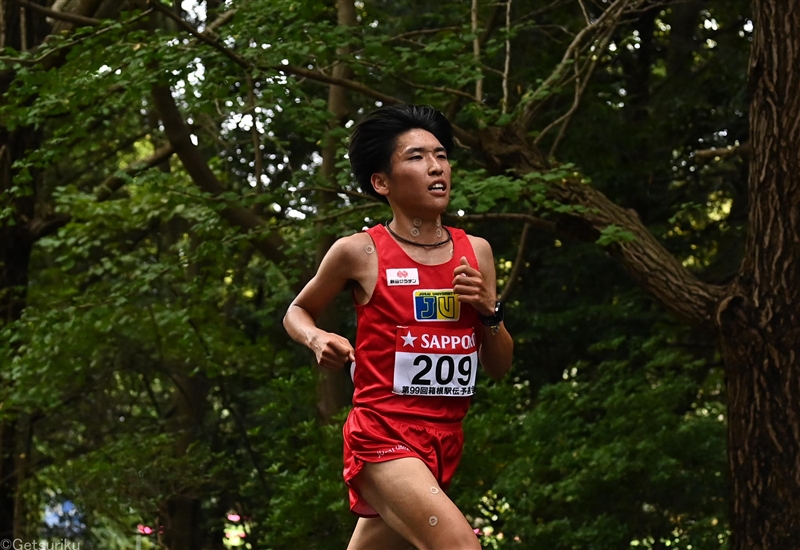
(354, 245)
(480, 245)
(351, 251)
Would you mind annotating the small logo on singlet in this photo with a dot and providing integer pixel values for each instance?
(436, 305)
(402, 276)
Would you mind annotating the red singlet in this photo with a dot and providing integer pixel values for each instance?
(416, 349)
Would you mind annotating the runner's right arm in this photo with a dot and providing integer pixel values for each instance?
(335, 272)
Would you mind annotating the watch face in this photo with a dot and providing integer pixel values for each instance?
(498, 312)
(496, 318)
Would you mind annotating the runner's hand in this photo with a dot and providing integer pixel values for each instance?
(471, 288)
(331, 350)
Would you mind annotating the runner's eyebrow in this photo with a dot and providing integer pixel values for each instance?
(412, 150)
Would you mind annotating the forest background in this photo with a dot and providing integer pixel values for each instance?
(172, 172)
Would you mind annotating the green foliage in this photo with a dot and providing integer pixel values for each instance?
(478, 192)
(614, 234)
(623, 452)
(150, 359)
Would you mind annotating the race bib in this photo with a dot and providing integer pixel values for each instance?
(435, 362)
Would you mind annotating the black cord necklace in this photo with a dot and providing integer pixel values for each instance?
(412, 243)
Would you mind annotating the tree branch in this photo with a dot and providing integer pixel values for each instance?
(202, 37)
(270, 244)
(39, 228)
(441, 89)
(346, 211)
(655, 269)
(607, 19)
(255, 138)
(61, 16)
(115, 181)
(464, 137)
(108, 152)
(476, 49)
(452, 109)
(344, 82)
(580, 87)
(585, 13)
(220, 21)
(63, 46)
(533, 221)
(408, 34)
(507, 62)
(540, 11)
(240, 425)
(336, 191)
(518, 261)
(714, 153)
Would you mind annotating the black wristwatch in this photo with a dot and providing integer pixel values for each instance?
(493, 320)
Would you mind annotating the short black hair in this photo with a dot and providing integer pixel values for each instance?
(374, 139)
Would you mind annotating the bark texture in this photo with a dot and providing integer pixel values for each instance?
(760, 321)
(332, 387)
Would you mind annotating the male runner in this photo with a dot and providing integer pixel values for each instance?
(425, 298)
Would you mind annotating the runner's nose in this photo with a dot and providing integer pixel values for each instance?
(435, 167)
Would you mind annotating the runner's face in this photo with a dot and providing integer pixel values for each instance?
(420, 174)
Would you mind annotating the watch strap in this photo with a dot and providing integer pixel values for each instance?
(495, 319)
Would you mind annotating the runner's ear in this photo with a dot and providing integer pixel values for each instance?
(380, 183)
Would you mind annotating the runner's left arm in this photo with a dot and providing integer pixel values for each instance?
(478, 287)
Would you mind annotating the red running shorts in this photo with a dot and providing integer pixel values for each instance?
(372, 437)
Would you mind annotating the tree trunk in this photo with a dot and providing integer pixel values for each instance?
(7, 486)
(760, 321)
(18, 31)
(332, 387)
(181, 515)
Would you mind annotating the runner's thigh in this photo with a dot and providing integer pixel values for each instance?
(410, 501)
(374, 534)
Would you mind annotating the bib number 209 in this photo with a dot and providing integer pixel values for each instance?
(444, 372)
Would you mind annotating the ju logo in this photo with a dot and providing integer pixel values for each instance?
(436, 305)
